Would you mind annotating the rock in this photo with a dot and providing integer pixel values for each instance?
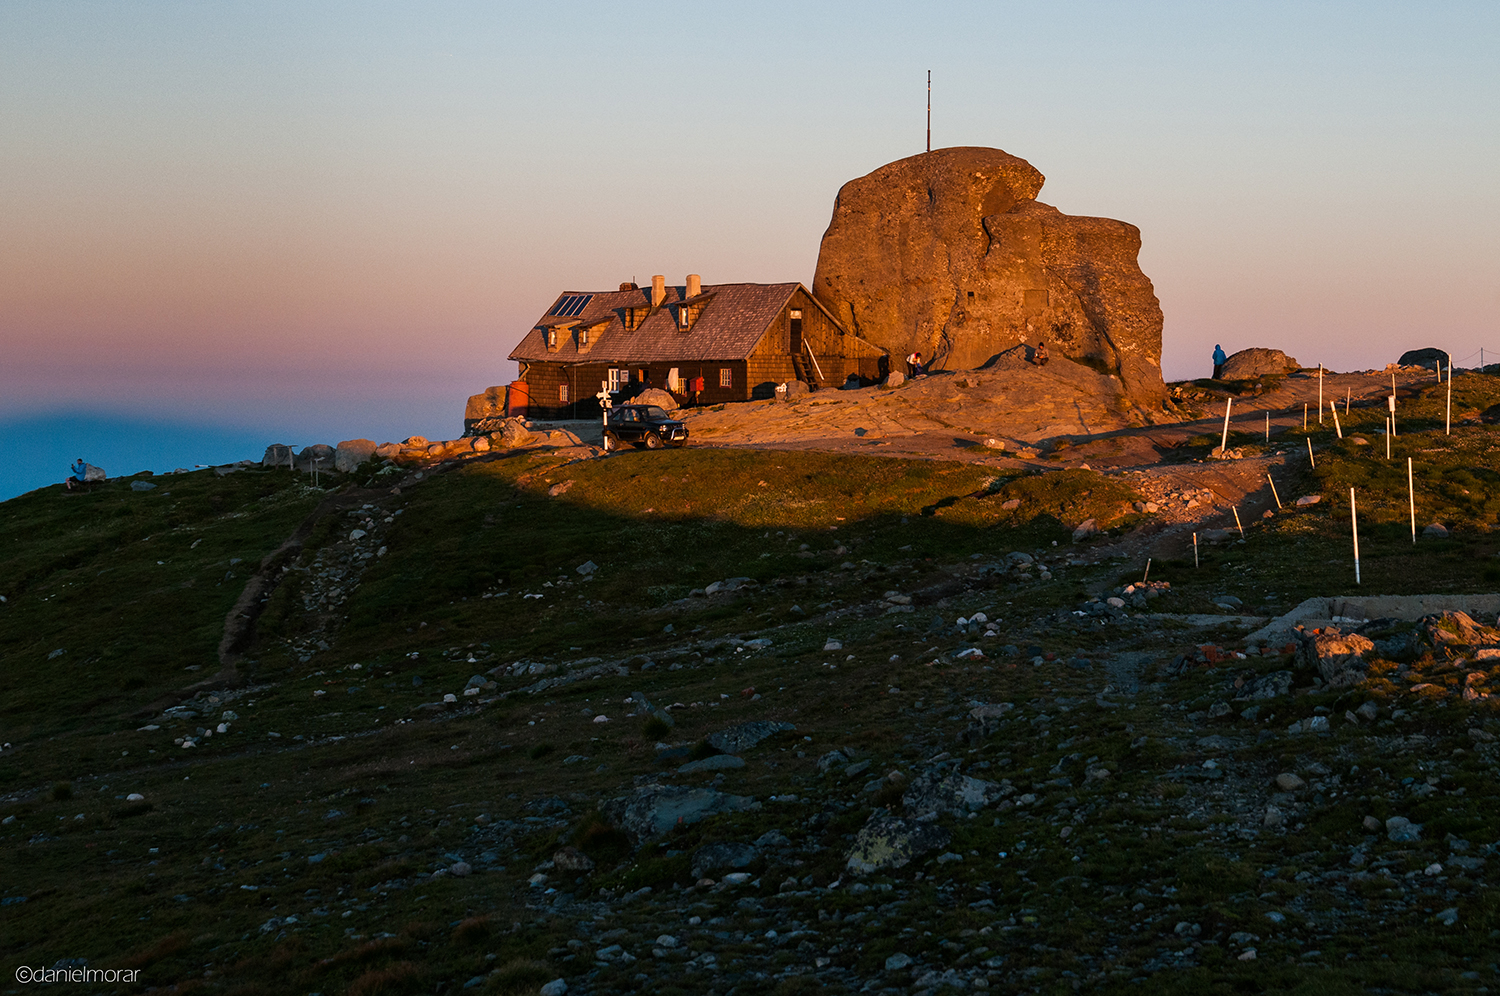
(738, 739)
(898, 961)
(794, 389)
(956, 794)
(1268, 686)
(1436, 530)
(1400, 830)
(832, 645)
(561, 487)
(1431, 357)
(1228, 602)
(773, 839)
(1272, 817)
(716, 857)
(142, 486)
(1450, 629)
(277, 455)
(489, 405)
(1086, 529)
(718, 762)
(557, 987)
(351, 453)
(1338, 657)
(319, 455)
(887, 842)
(461, 869)
(1288, 782)
(894, 379)
(1248, 364)
(1368, 712)
(586, 568)
(948, 253)
(1309, 499)
(655, 396)
(1216, 536)
(573, 860)
(831, 760)
(655, 809)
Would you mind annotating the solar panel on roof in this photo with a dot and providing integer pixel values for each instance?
(571, 304)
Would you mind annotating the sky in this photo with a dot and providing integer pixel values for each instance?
(309, 221)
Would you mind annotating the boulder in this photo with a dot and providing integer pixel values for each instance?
(894, 379)
(1249, 364)
(1432, 358)
(715, 857)
(886, 842)
(490, 404)
(1454, 629)
(573, 860)
(950, 254)
(351, 453)
(321, 453)
(655, 396)
(793, 389)
(277, 455)
(1267, 686)
(738, 739)
(954, 794)
(1339, 657)
(654, 809)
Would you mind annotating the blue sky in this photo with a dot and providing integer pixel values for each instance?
(335, 219)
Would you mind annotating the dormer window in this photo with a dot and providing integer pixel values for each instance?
(684, 318)
(633, 318)
(583, 338)
(551, 340)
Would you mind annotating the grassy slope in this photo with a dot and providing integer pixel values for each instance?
(82, 573)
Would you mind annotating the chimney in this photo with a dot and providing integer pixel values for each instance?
(658, 290)
(694, 285)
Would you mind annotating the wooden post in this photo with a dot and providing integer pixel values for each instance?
(1348, 392)
(1268, 427)
(1411, 501)
(1237, 524)
(1273, 491)
(1333, 406)
(1320, 394)
(1224, 439)
(1304, 416)
(1309, 453)
(1354, 525)
(1448, 417)
(1147, 576)
(1195, 550)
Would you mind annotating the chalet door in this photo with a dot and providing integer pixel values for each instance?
(796, 332)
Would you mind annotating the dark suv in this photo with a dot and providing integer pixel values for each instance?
(642, 425)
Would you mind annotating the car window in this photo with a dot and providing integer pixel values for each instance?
(653, 412)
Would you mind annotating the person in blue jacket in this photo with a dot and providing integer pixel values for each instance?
(1219, 359)
(80, 472)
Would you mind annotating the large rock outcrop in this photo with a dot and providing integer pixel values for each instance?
(1249, 364)
(950, 253)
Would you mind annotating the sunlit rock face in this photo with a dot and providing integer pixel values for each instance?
(949, 253)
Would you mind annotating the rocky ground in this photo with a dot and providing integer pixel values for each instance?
(749, 721)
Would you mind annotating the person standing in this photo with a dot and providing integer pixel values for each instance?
(1219, 360)
(914, 365)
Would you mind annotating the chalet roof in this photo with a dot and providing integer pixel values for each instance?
(732, 320)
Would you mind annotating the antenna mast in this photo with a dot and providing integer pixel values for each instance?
(929, 110)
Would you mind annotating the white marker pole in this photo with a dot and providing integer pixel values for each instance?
(1333, 406)
(1320, 394)
(1224, 440)
(1391, 404)
(1448, 418)
(1147, 576)
(1268, 427)
(1411, 500)
(1348, 391)
(1310, 456)
(1237, 524)
(1387, 439)
(1273, 491)
(1304, 416)
(1195, 549)
(1354, 524)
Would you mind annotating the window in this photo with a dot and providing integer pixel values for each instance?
(726, 377)
(684, 318)
(552, 338)
(562, 393)
(583, 338)
(616, 379)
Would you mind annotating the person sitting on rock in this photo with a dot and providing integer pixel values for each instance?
(1040, 356)
(1219, 360)
(79, 474)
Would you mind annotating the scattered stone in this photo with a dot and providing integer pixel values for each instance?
(573, 860)
(954, 794)
(717, 762)
(557, 987)
(1309, 499)
(1338, 657)
(898, 961)
(586, 568)
(1288, 782)
(1267, 686)
(1436, 530)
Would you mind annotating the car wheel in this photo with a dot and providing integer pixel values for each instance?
(653, 441)
(611, 442)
